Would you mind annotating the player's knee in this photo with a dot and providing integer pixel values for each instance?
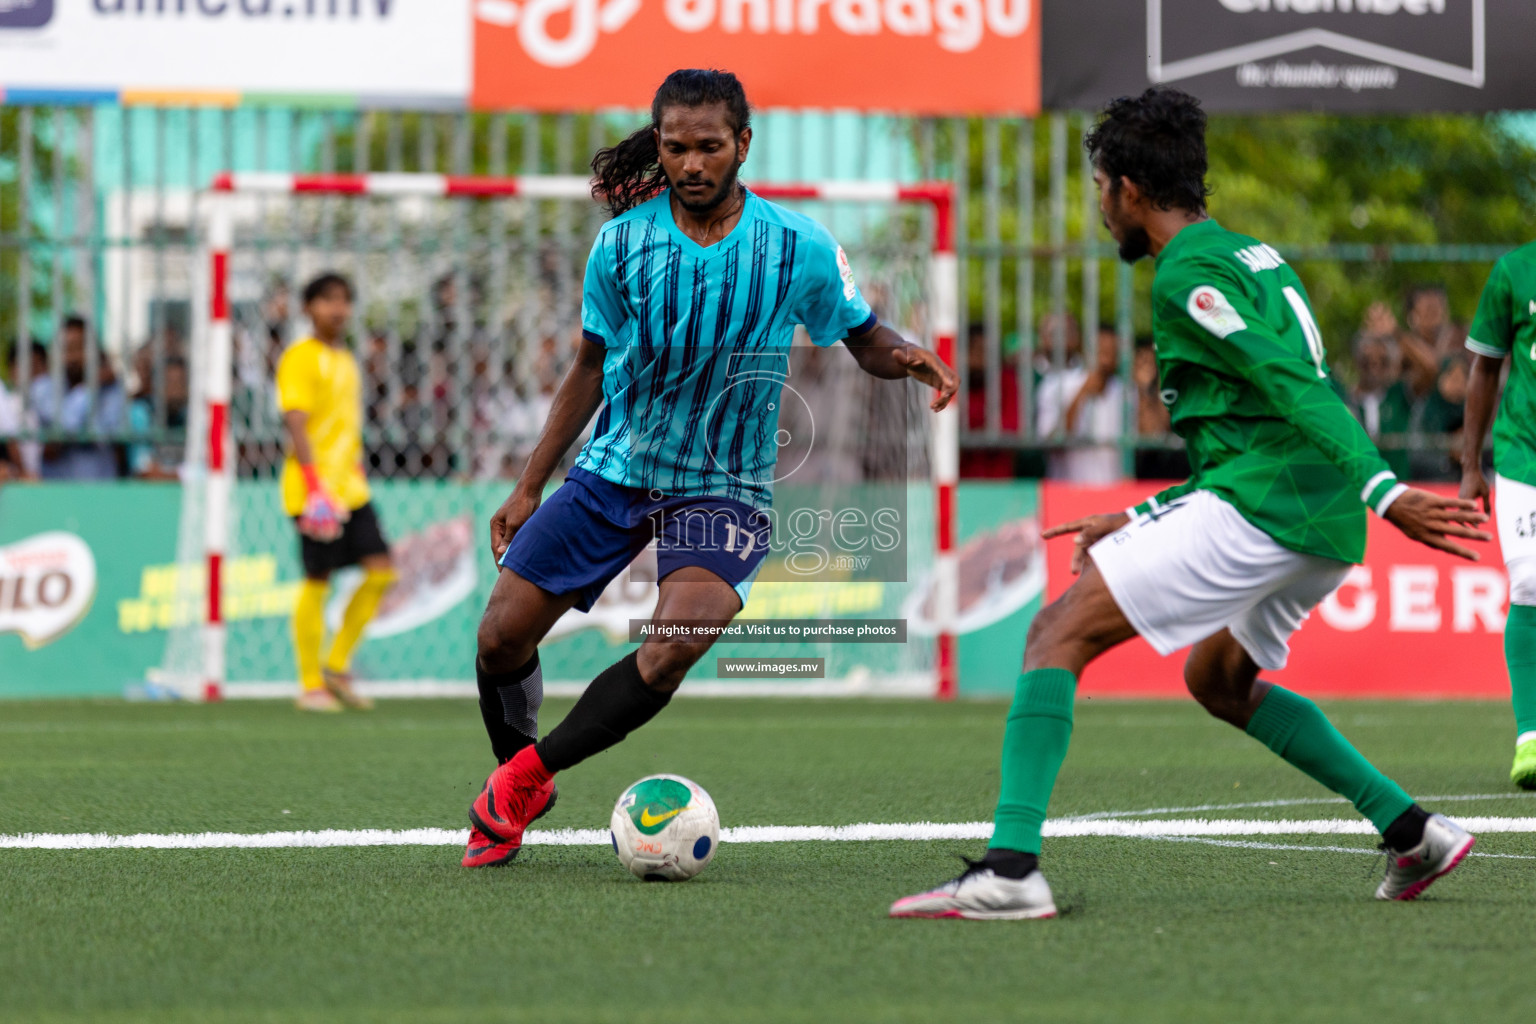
(1223, 694)
(664, 664)
(383, 566)
(498, 646)
(1044, 642)
(1198, 683)
(1042, 629)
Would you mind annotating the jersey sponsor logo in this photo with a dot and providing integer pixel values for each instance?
(1211, 310)
(1260, 257)
(845, 271)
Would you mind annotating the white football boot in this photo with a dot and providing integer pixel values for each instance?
(982, 895)
(1409, 872)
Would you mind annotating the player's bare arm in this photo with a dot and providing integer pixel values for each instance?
(1482, 401)
(577, 400)
(881, 352)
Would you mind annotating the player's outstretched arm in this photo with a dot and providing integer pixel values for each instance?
(1433, 520)
(580, 393)
(882, 352)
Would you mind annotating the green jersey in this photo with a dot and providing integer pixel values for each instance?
(1505, 324)
(1246, 383)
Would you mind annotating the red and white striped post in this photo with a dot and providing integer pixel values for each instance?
(945, 297)
(218, 371)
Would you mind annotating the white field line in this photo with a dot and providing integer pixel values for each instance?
(1305, 801)
(1180, 827)
(1240, 844)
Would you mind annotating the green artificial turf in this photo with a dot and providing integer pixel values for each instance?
(1151, 930)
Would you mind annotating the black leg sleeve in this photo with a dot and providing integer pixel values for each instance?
(509, 706)
(615, 704)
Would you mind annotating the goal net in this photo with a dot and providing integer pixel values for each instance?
(467, 316)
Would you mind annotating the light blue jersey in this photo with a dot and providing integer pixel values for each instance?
(698, 344)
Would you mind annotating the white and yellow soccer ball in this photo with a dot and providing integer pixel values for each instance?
(665, 828)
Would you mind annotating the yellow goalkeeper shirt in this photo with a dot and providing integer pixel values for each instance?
(322, 380)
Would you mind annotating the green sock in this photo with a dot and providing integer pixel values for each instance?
(1298, 731)
(1034, 745)
(1520, 655)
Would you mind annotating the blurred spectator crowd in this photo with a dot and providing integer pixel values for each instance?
(1405, 380)
(439, 405)
(80, 419)
(438, 402)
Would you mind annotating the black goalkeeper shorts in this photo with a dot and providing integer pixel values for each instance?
(360, 537)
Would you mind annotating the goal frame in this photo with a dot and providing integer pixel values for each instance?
(218, 334)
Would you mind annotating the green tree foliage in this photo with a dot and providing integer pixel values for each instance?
(19, 224)
(1307, 182)
(1332, 193)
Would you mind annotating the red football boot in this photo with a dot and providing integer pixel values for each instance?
(485, 852)
(515, 794)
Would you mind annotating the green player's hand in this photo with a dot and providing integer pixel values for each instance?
(1432, 519)
(1474, 487)
(1090, 530)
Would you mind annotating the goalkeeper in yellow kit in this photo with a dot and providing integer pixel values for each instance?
(324, 490)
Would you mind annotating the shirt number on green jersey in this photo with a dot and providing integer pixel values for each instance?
(1308, 327)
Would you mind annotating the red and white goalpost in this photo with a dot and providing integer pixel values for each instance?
(218, 366)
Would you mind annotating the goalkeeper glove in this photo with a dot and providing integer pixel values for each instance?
(322, 516)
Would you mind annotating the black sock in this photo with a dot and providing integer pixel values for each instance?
(1407, 829)
(1011, 863)
(615, 704)
(509, 706)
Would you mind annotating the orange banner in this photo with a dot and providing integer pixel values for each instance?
(897, 56)
(1410, 622)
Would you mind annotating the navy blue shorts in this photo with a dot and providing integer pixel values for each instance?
(590, 530)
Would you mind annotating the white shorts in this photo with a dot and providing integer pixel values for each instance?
(1514, 512)
(1198, 567)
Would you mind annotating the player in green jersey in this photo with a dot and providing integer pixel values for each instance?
(1232, 561)
(1505, 327)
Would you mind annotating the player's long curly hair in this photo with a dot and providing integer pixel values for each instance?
(629, 173)
(1157, 140)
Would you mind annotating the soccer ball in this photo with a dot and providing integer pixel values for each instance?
(665, 828)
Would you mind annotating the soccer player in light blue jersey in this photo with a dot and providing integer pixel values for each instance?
(689, 306)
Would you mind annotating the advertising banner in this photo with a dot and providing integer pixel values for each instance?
(1340, 55)
(397, 52)
(70, 554)
(906, 56)
(1410, 622)
(93, 601)
(1002, 581)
